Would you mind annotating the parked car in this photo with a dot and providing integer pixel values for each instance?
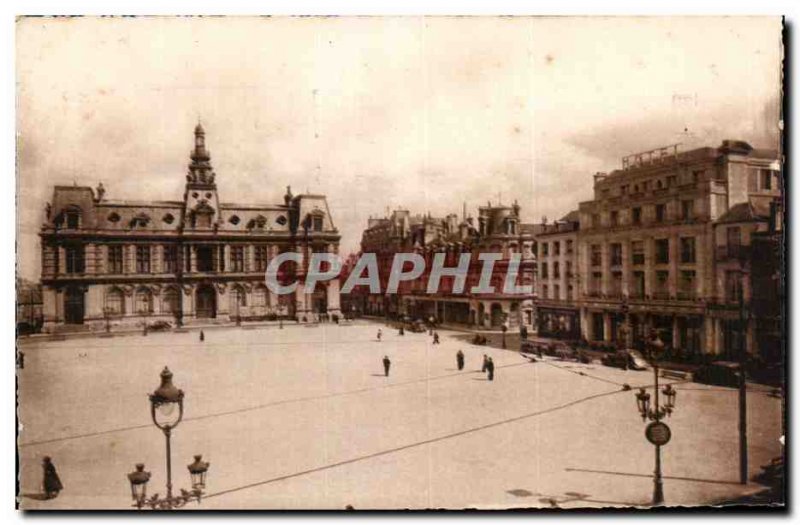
(625, 359)
(720, 373)
(417, 327)
(528, 347)
(159, 326)
(566, 353)
(479, 339)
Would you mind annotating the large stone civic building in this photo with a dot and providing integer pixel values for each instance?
(196, 259)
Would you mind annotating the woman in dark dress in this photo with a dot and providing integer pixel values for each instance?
(52, 483)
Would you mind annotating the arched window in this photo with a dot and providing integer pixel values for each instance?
(144, 301)
(171, 301)
(115, 302)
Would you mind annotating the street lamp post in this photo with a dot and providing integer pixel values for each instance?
(166, 409)
(657, 432)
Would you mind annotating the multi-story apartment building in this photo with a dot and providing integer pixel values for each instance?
(749, 276)
(647, 241)
(498, 230)
(125, 262)
(557, 279)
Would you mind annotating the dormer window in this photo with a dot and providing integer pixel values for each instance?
(317, 222)
(281, 220)
(168, 218)
(140, 221)
(72, 218)
(234, 220)
(202, 215)
(511, 227)
(113, 217)
(257, 223)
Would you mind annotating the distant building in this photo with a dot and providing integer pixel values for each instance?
(497, 229)
(660, 242)
(195, 259)
(29, 306)
(557, 279)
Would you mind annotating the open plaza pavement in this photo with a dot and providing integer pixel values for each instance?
(302, 417)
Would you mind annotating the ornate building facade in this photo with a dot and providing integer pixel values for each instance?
(497, 230)
(110, 263)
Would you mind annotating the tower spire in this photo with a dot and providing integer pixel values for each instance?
(200, 170)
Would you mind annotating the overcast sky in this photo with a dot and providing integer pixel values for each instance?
(378, 113)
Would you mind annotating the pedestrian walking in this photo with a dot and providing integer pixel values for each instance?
(202, 336)
(144, 331)
(401, 331)
(490, 369)
(21, 359)
(380, 334)
(386, 364)
(436, 338)
(52, 483)
(485, 363)
(460, 360)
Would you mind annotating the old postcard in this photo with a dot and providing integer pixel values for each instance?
(358, 263)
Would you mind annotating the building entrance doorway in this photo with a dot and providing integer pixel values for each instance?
(206, 302)
(319, 301)
(498, 316)
(73, 306)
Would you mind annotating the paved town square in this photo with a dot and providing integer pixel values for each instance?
(302, 417)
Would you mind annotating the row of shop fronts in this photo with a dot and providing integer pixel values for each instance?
(485, 313)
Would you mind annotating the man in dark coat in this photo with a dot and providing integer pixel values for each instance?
(386, 364)
(52, 483)
(460, 360)
(436, 338)
(21, 359)
(490, 369)
(485, 363)
(202, 336)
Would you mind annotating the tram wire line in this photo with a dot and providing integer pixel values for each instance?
(414, 445)
(264, 406)
(633, 387)
(582, 373)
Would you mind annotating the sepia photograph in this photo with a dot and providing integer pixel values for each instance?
(358, 263)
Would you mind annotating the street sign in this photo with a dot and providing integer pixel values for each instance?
(658, 433)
